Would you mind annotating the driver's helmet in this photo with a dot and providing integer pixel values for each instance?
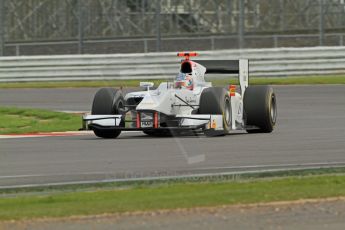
(184, 80)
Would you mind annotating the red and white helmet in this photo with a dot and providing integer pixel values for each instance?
(184, 80)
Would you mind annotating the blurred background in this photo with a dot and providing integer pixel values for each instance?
(45, 27)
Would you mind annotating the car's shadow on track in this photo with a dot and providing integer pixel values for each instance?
(136, 136)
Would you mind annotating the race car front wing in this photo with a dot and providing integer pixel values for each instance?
(144, 121)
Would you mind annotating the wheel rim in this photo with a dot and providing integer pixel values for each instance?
(227, 112)
(273, 110)
(120, 108)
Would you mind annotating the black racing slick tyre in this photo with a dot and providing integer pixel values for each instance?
(107, 101)
(216, 100)
(260, 106)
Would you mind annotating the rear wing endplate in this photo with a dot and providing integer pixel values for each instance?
(240, 67)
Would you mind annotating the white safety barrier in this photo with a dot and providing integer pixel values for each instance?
(263, 62)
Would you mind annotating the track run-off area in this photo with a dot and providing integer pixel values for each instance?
(310, 132)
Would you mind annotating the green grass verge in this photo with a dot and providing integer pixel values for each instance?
(336, 79)
(171, 196)
(20, 120)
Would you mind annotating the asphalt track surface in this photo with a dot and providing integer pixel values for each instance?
(310, 130)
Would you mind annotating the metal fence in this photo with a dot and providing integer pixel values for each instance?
(145, 45)
(263, 62)
(33, 27)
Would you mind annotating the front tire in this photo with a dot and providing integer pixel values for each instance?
(107, 101)
(216, 100)
(260, 106)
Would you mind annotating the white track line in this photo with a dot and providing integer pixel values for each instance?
(273, 165)
(199, 175)
(250, 168)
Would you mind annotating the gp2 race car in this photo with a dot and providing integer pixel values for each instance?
(187, 104)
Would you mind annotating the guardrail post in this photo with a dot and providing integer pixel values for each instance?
(80, 28)
(241, 24)
(321, 23)
(158, 25)
(212, 43)
(341, 40)
(275, 41)
(2, 28)
(145, 45)
(17, 50)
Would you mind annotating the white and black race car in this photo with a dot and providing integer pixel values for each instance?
(189, 103)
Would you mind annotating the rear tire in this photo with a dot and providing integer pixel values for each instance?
(216, 100)
(260, 106)
(107, 101)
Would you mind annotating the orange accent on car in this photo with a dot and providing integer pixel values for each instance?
(186, 55)
(232, 90)
(155, 119)
(214, 124)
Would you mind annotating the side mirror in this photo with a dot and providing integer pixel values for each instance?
(147, 85)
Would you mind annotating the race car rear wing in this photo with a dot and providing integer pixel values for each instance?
(220, 66)
(240, 67)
